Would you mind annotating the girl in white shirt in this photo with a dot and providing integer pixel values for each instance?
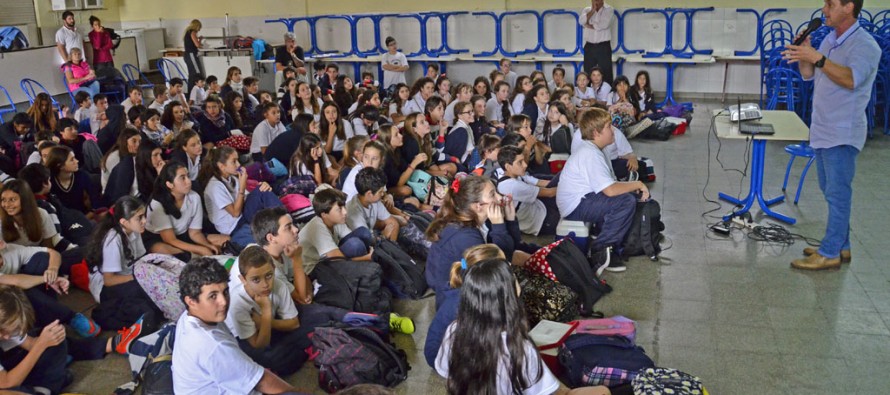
(498, 109)
(421, 92)
(333, 130)
(601, 89)
(523, 85)
(584, 94)
(307, 102)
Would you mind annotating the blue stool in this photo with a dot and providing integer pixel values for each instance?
(802, 150)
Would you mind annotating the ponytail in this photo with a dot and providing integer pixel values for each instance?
(125, 208)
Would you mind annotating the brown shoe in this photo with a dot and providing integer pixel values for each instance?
(846, 256)
(816, 262)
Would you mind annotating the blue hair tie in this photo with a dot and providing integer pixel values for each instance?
(463, 264)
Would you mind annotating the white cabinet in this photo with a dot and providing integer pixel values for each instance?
(65, 5)
(93, 4)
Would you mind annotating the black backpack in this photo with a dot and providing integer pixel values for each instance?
(561, 141)
(584, 356)
(645, 231)
(351, 285)
(401, 274)
(350, 356)
(572, 268)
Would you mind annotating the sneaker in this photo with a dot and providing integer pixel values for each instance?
(120, 343)
(400, 324)
(84, 326)
(599, 260)
(616, 263)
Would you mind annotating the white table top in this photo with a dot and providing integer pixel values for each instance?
(788, 126)
(638, 58)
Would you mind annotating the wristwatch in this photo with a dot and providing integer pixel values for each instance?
(820, 62)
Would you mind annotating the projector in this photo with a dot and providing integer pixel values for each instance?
(747, 112)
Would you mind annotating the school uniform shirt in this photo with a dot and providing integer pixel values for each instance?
(510, 78)
(111, 161)
(518, 103)
(113, 258)
(359, 128)
(47, 229)
(15, 256)
(393, 77)
(494, 111)
(619, 148)
(349, 183)
(197, 96)
(340, 144)
(415, 104)
(586, 94)
(318, 240)
(548, 383)
(241, 305)
(82, 114)
(263, 135)
(530, 211)
(587, 170)
(217, 196)
(604, 93)
(461, 151)
(157, 106)
(358, 215)
(192, 216)
(207, 360)
(449, 113)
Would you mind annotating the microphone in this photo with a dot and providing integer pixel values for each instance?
(814, 25)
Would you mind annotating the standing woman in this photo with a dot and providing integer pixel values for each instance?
(103, 63)
(597, 23)
(192, 43)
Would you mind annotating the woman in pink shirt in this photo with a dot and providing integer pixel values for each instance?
(79, 74)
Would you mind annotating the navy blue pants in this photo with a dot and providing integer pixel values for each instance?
(356, 243)
(255, 201)
(612, 215)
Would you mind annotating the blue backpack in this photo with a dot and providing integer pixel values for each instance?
(602, 360)
(11, 39)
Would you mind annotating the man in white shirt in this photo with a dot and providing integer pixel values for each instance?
(206, 357)
(597, 23)
(588, 190)
(394, 64)
(67, 36)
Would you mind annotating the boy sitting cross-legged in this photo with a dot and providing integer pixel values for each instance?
(366, 209)
(328, 236)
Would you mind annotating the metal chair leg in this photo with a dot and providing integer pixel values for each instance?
(803, 177)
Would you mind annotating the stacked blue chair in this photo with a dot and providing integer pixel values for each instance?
(785, 86)
(167, 67)
(135, 77)
(30, 87)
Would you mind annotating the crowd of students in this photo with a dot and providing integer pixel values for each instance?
(177, 175)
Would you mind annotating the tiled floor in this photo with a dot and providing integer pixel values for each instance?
(729, 310)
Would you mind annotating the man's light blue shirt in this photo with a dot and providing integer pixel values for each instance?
(839, 113)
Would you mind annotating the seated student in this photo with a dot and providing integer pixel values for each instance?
(397, 170)
(459, 142)
(176, 118)
(26, 224)
(214, 123)
(136, 176)
(69, 137)
(198, 93)
(435, 114)
(127, 146)
(505, 68)
(306, 103)
(498, 109)
(345, 93)
(289, 73)
(482, 87)
(283, 147)
(233, 82)
(46, 141)
(115, 121)
(489, 298)
(558, 127)
(307, 164)
(267, 130)
(134, 98)
(189, 151)
(13, 136)
(620, 154)
(153, 130)
(535, 108)
(42, 112)
(494, 77)
(206, 356)
(326, 82)
(622, 105)
(489, 146)
(517, 99)
(175, 93)
(72, 185)
(84, 107)
(274, 231)
(416, 143)
(134, 116)
(98, 118)
(213, 86)
(533, 198)
(420, 93)
(397, 102)
(446, 312)
(535, 150)
(372, 154)
(234, 107)
(176, 217)
(73, 225)
(334, 130)
(463, 222)
(262, 315)
(328, 236)
(115, 247)
(480, 125)
(35, 270)
(288, 96)
(37, 364)
(226, 200)
(160, 98)
(589, 192)
(601, 89)
(558, 79)
(462, 92)
(584, 96)
(364, 120)
(354, 147)
(432, 71)
(641, 93)
(366, 208)
(443, 89)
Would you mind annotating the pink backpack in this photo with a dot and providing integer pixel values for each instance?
(295, 202)
(617, 325)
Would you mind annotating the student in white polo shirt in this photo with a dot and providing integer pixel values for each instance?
(206, 357)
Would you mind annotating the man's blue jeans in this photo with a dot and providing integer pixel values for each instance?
(836, 167)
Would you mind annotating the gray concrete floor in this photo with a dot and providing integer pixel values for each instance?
(729, 310)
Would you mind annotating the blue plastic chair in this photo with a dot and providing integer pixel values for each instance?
(30, 87)
(134, 77)
(786, 86)
(167, 67)
(6, 110)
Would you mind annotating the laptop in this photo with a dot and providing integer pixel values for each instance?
(754, 128)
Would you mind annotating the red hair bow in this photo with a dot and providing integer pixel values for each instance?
(455, 185)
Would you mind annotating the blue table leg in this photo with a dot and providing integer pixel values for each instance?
(669, 87)
(758, 154)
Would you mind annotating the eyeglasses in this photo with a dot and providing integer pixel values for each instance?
(465, 112)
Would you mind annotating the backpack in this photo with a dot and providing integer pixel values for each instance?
(662, 130)
(115, 38)
(12, 39)
(601, 360)
(654, 381)
(151, 362)
(564, 262)
(645, 231)
(401, 274)
(158, 275)
(617, 325)
(545, 299)
(438, 188)
(353, 286)
(413, 240)
(350, 356)
(561, 141)
(299, 184)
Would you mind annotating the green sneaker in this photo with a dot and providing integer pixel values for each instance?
(400, 324)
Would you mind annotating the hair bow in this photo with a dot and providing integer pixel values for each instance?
(455, 185)
(463, 264)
